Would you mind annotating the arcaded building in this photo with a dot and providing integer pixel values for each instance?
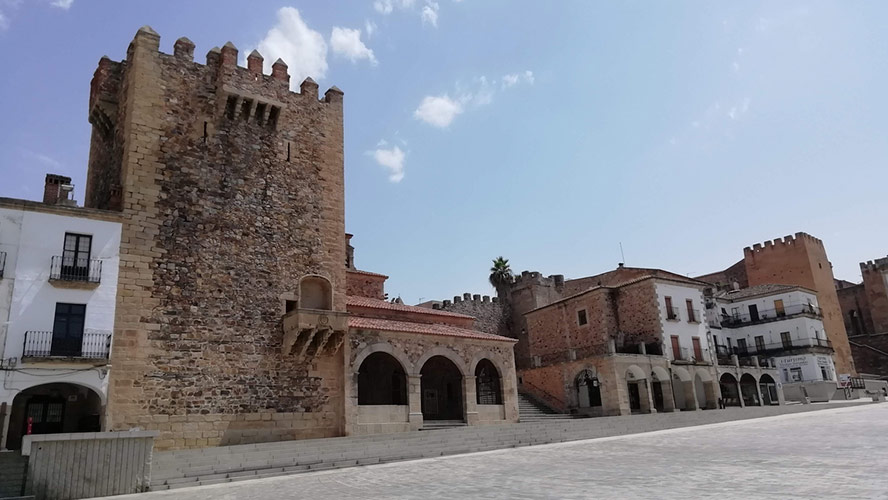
(240, 316)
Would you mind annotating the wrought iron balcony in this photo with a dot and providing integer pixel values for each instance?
(773, 349)
(91, 345)
(743, 319)
(2, 263)
(691, 356)
(76, 270)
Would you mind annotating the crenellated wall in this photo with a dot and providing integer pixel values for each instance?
(489, 313)
(231, 187)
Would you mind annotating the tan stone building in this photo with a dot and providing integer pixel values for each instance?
(865, 311)
(240, 316)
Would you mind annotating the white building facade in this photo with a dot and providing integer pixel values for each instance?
(58, 293)
(781, 324)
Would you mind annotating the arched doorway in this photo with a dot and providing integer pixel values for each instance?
(683, 389)
(442, 390)
(488, 388)
(749, 390)
(769, 390)
(636, 383)
(51, 409)
(729, 390)
(588, 390)
(661, 390)
(381, 381)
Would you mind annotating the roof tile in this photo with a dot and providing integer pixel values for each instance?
(360, 323)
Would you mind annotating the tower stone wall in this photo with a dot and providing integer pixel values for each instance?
(801, 260)
(231, 187)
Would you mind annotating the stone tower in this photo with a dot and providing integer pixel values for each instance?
(232, 190)
(802, 260)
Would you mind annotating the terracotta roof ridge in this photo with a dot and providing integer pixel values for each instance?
(358, 301)
(360, 322)
(368, 273)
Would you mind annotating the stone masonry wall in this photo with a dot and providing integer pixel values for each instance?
(875, 282)
(554, 331)
(853, 300)
(232, 190)
(639, 313)
(365, 285)
(490, 315)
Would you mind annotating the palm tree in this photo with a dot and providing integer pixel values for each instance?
(500, 273)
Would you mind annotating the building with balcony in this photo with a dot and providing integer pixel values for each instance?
(776, 329)
(632, 340)
(58, 291)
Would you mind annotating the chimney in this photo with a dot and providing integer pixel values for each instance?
(57, 189)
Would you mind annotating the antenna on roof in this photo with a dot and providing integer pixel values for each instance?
(622, 256)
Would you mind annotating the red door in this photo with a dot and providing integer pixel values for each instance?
(676, 348)
(698, 351)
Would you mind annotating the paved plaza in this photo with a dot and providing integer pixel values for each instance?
(835, 453)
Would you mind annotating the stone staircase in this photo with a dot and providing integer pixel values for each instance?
(434, 425)
(529, 410)
(184, 468)
(12, 474)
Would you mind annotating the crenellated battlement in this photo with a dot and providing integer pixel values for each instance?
(531, 278)
(786, 243)
(466, 298)
(877, 265)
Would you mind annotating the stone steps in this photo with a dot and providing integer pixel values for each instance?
(186, 468)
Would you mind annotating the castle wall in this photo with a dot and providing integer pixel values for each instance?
(802, 260)
(232, 189)
(362, 284)
(490, 315)
(855, 310)
(875, 282)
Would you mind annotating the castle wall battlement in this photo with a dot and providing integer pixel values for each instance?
(787, 242)
(874, 265)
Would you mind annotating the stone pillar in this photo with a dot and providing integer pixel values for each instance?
(414, 401)
(740, 393)
(690, 395)
(668, 397)
(712, 395)
(645, 396)
(470, 400)
(758, 391)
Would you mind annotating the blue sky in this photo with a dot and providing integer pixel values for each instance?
(545, 132)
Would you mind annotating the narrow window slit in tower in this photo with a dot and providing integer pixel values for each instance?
(288, 151)
(205, 132)
(260, 112)
(245, 109)
(273, 117)
(231, 107)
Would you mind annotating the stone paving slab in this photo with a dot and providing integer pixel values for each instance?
(833, 453)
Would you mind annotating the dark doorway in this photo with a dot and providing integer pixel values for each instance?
(729, 390)
(748, 389)
(67, 330)
(658, 395)
(588, 390)
(53, 408)
(753, 312)
(442, 391)
(381, 381)
(634, 397)
(769, 390)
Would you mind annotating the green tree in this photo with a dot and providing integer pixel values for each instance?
(500, 273)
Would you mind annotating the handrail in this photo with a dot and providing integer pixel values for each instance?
(91, 345)
(75, 269)
(543, 395)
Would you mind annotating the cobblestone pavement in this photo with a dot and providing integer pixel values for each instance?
(835, 453)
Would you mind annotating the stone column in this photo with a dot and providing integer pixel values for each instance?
(414, 401)
(668, 397)
(690, 393)
(740, 393)
(645, 397)
(758, 391)
(470, 400)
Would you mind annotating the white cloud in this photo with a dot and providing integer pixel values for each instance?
(513, 79)
(347, 43)
(4, 21)
(387, 6)
(42, 158)
(63, 4)
(302, 48)
(438, 111)
(430, 13)
(371, 28)
(392, 159)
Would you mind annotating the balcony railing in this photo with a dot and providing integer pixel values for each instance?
(743, 319)
(672, 313)
(76, 269)
(690, 356)
(92, 345)
(723, 351)
(2, 263)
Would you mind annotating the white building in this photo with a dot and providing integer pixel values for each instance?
(58, 288)
(780, 323)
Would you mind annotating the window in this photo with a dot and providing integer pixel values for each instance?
(676, 348)
(778, 308)
(487, 384)
(753, 312)
(691, 316)
(823, 373)
(786, 340)
(75, 256)
(760, 343)
(795, 374)
(741, 347)
(785, 375)
(581, 317)
(698, 350)
(671, 313)
(67, 330)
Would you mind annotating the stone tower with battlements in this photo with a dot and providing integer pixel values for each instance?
(801, 260)
(232, 190)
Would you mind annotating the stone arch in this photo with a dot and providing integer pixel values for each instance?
(587, 387)
(768, 388)
(700, 389)
(442, 386)
(382, 380)
(55, 407)
(659, 374)
(486, 354)
(315, 292)
(681, 374)
(386, 348)
(488, 383)
(635, 374)
(729, 390)
(749, 389)
(440, 351)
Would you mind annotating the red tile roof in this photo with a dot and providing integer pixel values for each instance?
(388, 325)
(367, 273)
(355, 301)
